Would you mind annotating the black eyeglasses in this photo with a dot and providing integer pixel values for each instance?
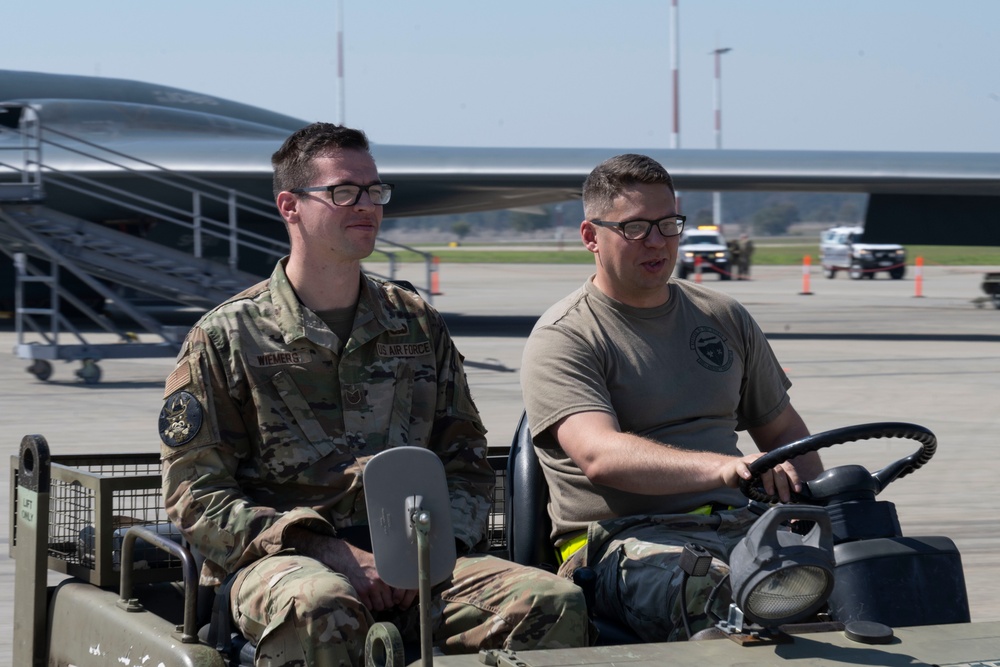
(637, 230)
(348, 194)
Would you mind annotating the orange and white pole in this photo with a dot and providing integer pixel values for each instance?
(435, 276)
(918, 278)
(806, 263)
(697, 268)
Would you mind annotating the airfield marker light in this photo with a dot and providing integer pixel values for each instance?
(806, 263)
(779, 576)
(918, 278)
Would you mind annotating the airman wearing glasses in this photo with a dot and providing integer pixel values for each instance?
(635, 386)
(279, 398)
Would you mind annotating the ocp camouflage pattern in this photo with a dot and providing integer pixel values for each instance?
(290, 415)
(487, 603)
(638, 577)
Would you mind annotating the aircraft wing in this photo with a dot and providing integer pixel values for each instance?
(229, 143)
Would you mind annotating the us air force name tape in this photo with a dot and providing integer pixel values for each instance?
(180, 419)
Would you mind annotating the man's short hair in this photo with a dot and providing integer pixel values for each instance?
(293, 162)
(611, 177)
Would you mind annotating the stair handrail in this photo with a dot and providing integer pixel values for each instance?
(249, 239)
(27, 126)
(206, 185)
(235, 201)
(232, 199)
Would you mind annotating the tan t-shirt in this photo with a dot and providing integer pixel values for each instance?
(689, 373)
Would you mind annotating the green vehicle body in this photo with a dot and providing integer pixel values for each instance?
(130, 596)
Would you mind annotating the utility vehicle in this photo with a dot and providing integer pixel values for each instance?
(826, 580)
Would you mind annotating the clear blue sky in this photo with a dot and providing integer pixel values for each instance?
(803, 74)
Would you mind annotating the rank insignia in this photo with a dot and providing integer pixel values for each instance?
(180, 419)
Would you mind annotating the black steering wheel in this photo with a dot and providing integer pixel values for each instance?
(845, 479)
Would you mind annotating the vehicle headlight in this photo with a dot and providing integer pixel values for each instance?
(720, 254)
(783, 580)
(900, 252)
(689, 255)
(864, 252)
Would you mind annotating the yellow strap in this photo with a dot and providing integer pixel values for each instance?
(565, 550)
(571, 546)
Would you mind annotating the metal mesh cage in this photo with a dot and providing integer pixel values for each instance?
(497, 534)
(92, 502)
(94, 499)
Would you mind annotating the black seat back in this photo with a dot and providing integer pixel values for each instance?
(528, 525)
(527, 518)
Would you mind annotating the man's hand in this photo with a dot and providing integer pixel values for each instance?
(356, 564)
(780, 480)
(359, 568)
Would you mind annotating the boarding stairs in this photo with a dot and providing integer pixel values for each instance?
(121, 259)
(127, 271)
(120, 268)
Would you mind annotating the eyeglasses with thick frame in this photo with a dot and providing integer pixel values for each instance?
(637, 230)
(349, 194)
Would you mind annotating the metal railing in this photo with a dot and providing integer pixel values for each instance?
(197, 190)
(23, 123)
(202, 194)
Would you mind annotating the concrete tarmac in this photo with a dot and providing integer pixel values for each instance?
(856, 352)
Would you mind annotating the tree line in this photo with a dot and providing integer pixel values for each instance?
(760, 213)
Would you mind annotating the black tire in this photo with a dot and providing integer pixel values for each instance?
(830, 273)
(682, 272)
(856, 272)
(41, 369)
(897, 273)
(90, 372)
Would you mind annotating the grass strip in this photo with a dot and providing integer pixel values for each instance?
(766, 253)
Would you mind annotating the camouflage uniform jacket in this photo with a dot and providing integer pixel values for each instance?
(269, 419)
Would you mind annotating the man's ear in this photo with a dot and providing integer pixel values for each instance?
(588, 233)
(288, 206)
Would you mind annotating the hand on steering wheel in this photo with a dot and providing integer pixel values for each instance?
(753, 488)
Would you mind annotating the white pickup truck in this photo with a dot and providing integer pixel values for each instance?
(841, 249)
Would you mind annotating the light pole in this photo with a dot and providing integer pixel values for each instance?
(675, 133)
(717, 196)
(675, 76)
(342, 115)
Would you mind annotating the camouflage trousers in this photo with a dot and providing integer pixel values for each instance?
(636, 560)
(301, 613)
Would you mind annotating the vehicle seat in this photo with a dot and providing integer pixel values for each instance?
(528, 497)
(215, 622)
(528, 525)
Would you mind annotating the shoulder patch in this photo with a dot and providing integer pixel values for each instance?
(180, 419)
